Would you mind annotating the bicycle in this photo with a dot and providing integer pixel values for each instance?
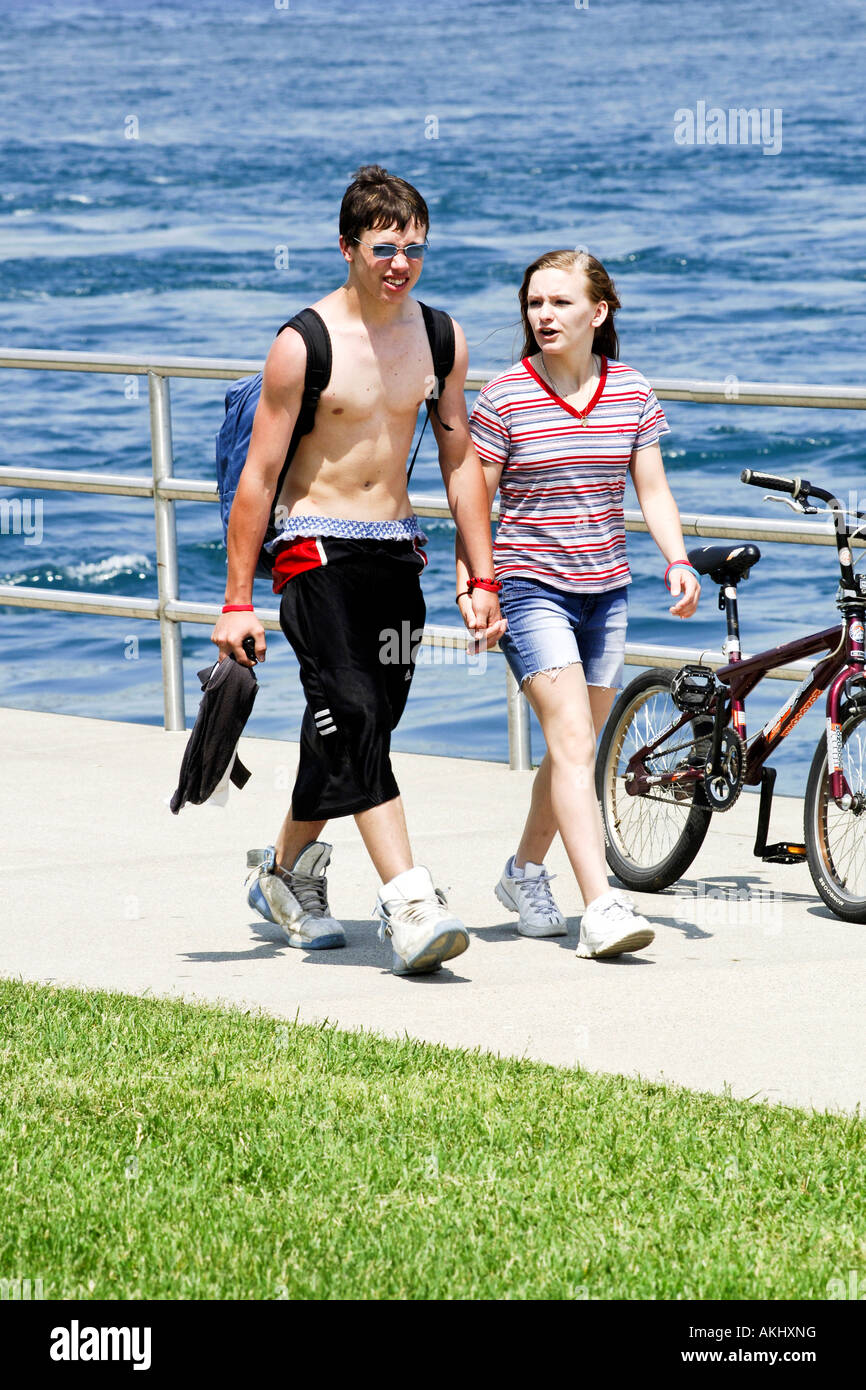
(674, 750)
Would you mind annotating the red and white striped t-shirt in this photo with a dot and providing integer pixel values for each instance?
(563, 479)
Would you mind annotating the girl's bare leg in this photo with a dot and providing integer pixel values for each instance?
(563, 794)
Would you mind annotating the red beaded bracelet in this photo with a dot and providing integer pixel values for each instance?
(239, 608)
(493, 586)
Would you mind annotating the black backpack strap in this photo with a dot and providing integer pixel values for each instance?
(317, 341)
(440, 335)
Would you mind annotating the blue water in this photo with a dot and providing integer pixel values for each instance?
(555, 127)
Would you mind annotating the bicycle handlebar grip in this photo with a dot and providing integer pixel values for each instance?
(769, 480)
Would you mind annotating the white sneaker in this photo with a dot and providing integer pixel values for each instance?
(296, 899)
(530, 896)
(610, 926)
(416, 917)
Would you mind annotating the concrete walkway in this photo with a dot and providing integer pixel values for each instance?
(103, 887)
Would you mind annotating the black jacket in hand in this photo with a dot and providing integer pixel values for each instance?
(229, 693)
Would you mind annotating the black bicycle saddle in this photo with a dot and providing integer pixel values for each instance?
(726, 563)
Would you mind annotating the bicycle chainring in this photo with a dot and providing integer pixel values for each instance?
(722, 788)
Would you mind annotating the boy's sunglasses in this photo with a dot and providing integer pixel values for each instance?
(386, 250)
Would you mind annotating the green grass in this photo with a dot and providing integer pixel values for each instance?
(154, 1149)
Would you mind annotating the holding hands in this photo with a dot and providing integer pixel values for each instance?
(479, 610)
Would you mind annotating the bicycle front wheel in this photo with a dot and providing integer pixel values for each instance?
(652, 838)
(836, 839)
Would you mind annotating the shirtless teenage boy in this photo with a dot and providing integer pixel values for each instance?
(347, 562)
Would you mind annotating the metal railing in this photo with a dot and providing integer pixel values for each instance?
(169, 610)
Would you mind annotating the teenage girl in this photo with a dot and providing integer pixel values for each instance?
(556, 435)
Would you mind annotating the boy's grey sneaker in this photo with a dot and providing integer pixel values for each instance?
(422, 930)
(610, 927)
(296, 899)
(530, 896)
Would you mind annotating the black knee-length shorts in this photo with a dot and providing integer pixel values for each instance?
(354, 623)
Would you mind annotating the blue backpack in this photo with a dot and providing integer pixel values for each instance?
(242, 397)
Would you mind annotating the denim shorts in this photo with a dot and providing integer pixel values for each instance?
(549, 629)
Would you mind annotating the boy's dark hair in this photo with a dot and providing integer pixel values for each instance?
(376, 198)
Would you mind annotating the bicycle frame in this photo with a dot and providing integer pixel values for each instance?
(845, 660)
(674, 751)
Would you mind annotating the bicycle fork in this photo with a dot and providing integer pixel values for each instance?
(839, 789)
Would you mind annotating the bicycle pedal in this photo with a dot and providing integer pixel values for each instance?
(784, 854)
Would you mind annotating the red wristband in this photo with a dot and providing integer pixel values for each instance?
(493, 586)
(680, 564)
(239, 608)
(677, 562)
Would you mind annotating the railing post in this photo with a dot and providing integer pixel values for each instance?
(519, 744)
(170, 636)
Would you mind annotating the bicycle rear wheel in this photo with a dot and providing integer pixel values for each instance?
(836, 839)
(651, 839)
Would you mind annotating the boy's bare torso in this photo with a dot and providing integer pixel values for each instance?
(353, 462)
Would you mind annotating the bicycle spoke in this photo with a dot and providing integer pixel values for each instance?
(843, 834)
(648, 827)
